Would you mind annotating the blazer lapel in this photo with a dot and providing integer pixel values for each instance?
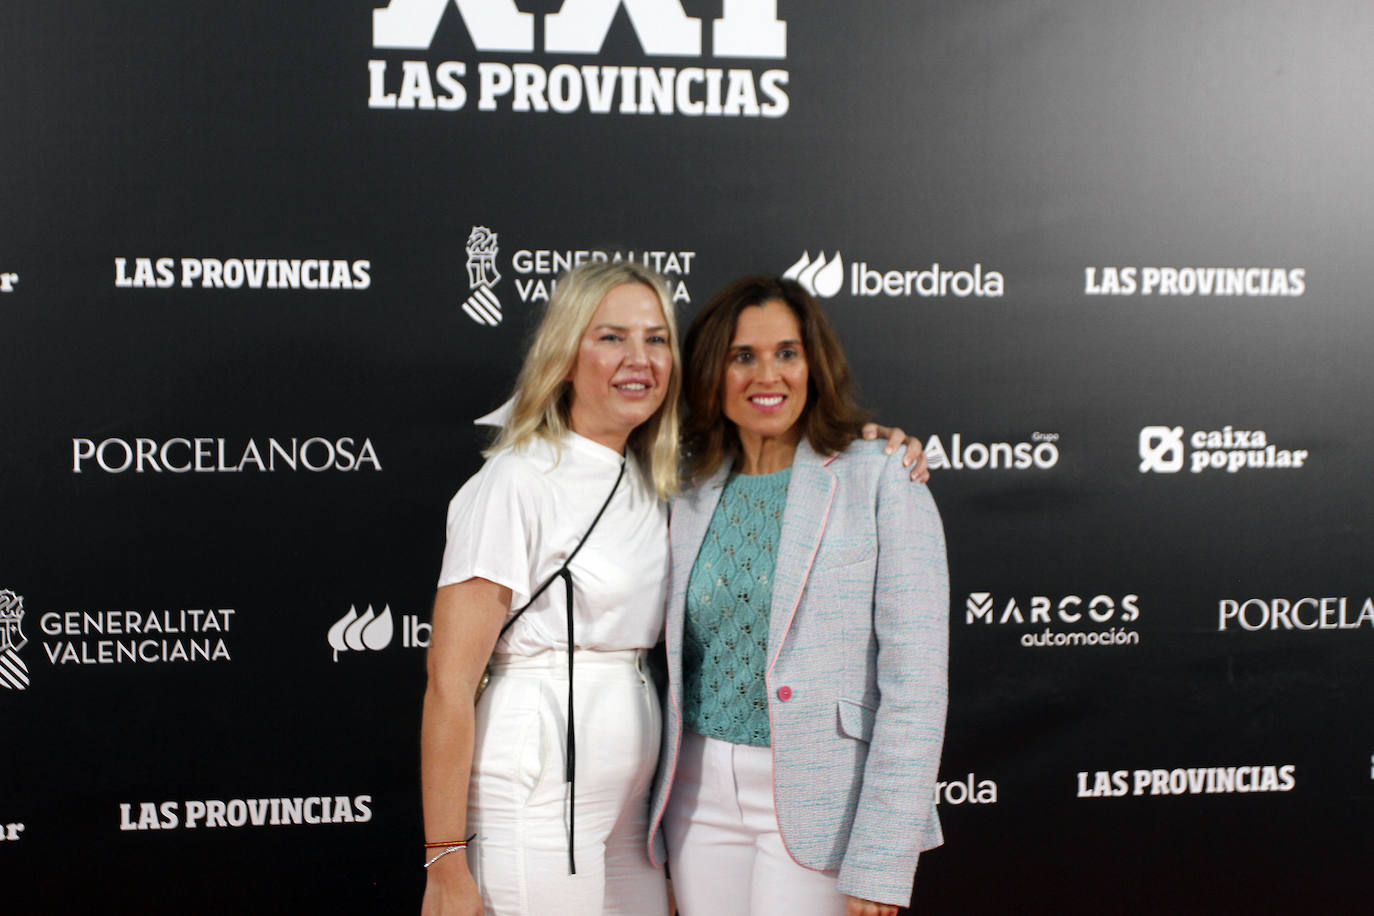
(809, 494)
(691, 516)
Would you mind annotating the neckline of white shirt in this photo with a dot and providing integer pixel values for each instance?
(592, 449)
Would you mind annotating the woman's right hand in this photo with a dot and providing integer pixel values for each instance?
(451, 892)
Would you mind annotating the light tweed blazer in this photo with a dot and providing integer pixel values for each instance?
(858, 648)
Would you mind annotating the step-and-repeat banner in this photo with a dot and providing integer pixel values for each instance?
(262, 264)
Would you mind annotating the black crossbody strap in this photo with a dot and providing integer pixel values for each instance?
(564, 568)
(564, 573)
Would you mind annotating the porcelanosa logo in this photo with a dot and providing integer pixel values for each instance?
(203, 455)
(826, 277)
(1068, 621)
(747, 29)
(1040, 452)
(534, 271)
(14, 674)
(1162, 451)
(370, 631)
(1329, 613)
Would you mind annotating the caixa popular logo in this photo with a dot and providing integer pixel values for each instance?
(1071, 620)
(14, 674)
(371, 631)
(1163, 450)
(746, 29)
(534, 272)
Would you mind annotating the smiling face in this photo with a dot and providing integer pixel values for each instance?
(764, 389)
(623, 366)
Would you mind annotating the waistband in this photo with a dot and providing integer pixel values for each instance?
(557, 660)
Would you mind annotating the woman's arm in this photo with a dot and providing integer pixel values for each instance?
(467, 621)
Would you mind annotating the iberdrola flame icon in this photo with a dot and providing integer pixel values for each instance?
(370, 631)
(818, 277)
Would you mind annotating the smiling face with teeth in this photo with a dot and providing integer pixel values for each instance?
(764, 390)
(623, 366)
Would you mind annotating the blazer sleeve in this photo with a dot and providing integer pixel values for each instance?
(895, 818)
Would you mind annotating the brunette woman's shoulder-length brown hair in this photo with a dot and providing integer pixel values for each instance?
(832, 418)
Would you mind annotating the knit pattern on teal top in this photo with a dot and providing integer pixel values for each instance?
(725, 638)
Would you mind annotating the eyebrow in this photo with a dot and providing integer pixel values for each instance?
(781, 343)
(624, 328)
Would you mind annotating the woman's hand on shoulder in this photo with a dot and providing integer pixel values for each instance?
(915, 457)
(858, 907)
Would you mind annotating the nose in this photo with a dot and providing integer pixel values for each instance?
(766, 368)
(637, 353)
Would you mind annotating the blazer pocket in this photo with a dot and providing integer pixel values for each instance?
(839, 559)
(856, 719)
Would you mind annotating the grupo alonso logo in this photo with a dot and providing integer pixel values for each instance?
(1039, 452)
(14, 674)
(1165, 450)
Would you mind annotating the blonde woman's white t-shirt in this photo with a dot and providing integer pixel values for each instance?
(516, 521)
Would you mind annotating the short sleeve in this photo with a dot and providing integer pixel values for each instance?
(493, 526)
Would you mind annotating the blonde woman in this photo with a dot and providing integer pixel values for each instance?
(556, 806)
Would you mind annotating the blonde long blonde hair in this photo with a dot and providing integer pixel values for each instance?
(543, 394)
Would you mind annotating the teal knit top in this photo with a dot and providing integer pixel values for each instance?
(725, 638)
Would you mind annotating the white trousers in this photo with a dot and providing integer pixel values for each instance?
(518, 800)
(725, 851)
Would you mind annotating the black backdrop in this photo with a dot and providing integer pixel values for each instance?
(1204, 161)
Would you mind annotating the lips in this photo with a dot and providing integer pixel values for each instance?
(633, 387)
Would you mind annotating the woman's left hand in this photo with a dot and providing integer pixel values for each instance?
(858, 907)
(915, 457)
